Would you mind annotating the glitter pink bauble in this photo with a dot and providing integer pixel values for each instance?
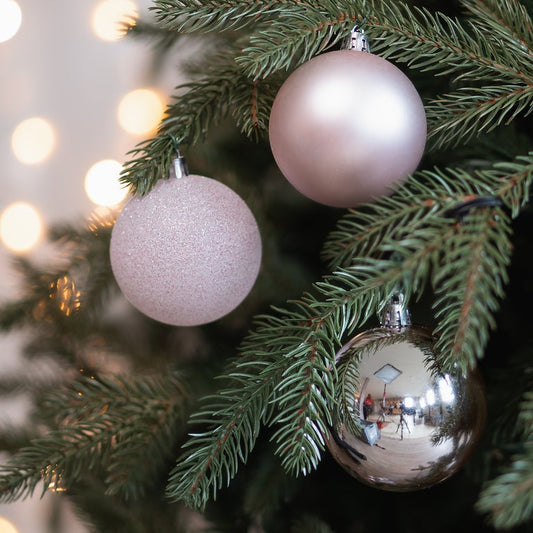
(188, 252)
(347, 126)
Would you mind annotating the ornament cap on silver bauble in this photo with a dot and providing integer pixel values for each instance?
(403, 424)
(347, 126)
(188, 252)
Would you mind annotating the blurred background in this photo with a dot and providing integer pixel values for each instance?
(75, 97)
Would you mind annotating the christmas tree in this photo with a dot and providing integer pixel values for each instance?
(227, 426)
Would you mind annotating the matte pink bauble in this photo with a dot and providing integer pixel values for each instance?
(346, 127)
(188, 252)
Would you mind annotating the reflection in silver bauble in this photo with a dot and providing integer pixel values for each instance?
(422, 425)
(347, 126)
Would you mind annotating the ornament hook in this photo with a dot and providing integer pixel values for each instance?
(179, 164)
(358, 40)
(395, 314)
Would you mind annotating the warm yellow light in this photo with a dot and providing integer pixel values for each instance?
(33, 140)
(10, 21)
(102, 183)
(111, 17)
(140, 111)
(6, 526)
(20, 227)
(67, 297)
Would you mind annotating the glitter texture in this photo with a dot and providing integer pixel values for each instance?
(187, 253)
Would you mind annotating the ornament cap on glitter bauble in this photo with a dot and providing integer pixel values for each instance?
(347, 126)
(403, 424)
(188, 252)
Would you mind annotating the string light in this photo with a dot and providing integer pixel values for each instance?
(140, 111)
(102, 184)
(20, 227)
(10, 20)
(53, 478)
(111, 18)
(66, 295)
(33, 140)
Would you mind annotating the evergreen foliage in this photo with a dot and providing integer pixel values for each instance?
(450, 237)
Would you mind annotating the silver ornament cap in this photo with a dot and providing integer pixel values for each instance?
(395, 313)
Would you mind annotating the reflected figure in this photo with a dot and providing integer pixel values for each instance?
(367, 406)
(429, 421)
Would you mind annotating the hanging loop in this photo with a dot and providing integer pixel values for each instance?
(179, 165)
(358, 40)
(395, 314)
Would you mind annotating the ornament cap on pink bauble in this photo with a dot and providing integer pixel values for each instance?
(347, 126)
(188, 252)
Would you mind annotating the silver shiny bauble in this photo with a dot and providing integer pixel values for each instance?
(421, 423)
(347, 126)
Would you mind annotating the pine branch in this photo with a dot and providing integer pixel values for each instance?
(204, 104)
(515, 180)
(364, 233)
(251, 107)
(285, 34)
(303, 396)
(412, 35)
(508, 20)
(297, 347)
(233, 420)
(422, 203)
(95, 424)
(289, 366)
(508, 499)
(216, 15)
(457, 117)
(435, 42)
(75, 287)
(297, 36)
(469, 286)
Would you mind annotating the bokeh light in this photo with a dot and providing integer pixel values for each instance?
(140, 111)
(102, 183)
(111, 17)
(33, 140)
(6, 526)
(20, 227)
(10, 21)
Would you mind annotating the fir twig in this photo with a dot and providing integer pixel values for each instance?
(287, 33)
(120, 429)
(469, 286)
(233, 420)
(508, 499)
(297, 348)
(202, 105)
(421, 204)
